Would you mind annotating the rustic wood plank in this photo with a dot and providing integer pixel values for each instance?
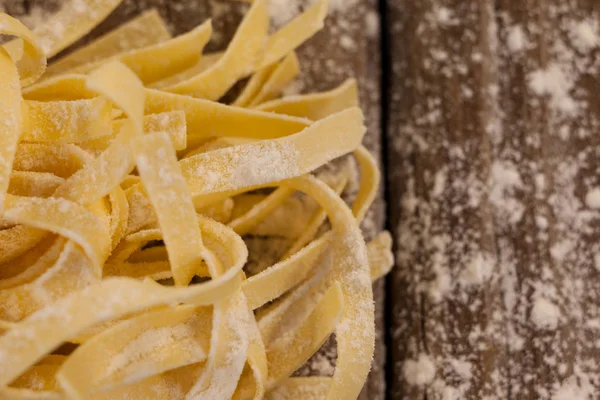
(340, 51)
(550, 118)
(447, 324)
(493, 110)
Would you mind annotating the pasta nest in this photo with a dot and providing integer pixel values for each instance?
(126, 189)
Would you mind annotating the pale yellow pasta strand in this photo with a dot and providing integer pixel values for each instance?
(272, 314)
(103, 174)
(132, 243)
(119, 209)
(253, 86)
(379, 252)
(278, 223)
(10, 120)
(71, 271)
(76, 18)
(296, 32)
(228, 350)
(294, 155)
(39, 376)
(207, 61)
(156, 253)
(17, 240)
(285, 72)
(108, 358)
(61, 87)
(142, 214)
(315, 106)
(253, 382)
(67, 121)
(144, 30)
(129, 181)
(291, 276)
(31, 264)
(25, 52)
(287, 354)
(60, 159)
(36, 336)
(155, 270)
(287, 272)
(285, 313)
(220, 211)
(313, 388)
(279, 278)
(173, 123)
(15, 270)
(157, 61)
(238, 61)
(207, 145)
(276, 280)
(208, 119)
(117, 82)
(315, 223)
(356, 332)
(10, 393)
(169, 194)
(33, 184)
(243, 224)
(106, 171)
(64, 218)
(370, 178)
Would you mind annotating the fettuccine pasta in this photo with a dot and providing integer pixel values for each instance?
(130, 198)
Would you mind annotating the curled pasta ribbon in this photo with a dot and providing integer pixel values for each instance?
(29, 56)
(188, 329)
(129, 193)
(30, 65)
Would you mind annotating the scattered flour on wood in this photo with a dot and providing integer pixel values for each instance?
(517, 40)
(545, 314)
(420, 371)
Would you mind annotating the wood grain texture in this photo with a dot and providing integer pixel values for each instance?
(550, 138)
(347, 47)
(493, 126)
(445, 299)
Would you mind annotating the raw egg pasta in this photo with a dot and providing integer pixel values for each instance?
(127, 191)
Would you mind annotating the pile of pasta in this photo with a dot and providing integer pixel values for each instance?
(126, 189)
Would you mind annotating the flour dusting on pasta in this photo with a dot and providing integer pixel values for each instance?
(130, 197)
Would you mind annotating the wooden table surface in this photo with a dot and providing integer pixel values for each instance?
(485, 117)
